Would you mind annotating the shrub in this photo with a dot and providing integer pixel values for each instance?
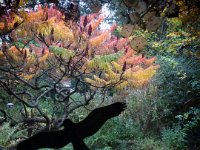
(148, 143)
(173, 139)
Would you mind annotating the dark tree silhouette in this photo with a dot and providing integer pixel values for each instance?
(73, 132)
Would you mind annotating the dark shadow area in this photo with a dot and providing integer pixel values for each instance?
(73, 132)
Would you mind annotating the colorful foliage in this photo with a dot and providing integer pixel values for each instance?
(104, 60)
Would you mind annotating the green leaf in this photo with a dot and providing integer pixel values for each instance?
(63, 52)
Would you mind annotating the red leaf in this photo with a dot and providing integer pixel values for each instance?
(90, 30)
(126, 50)
(85, 21)
(143, 54)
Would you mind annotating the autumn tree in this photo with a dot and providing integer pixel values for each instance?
(47, 60)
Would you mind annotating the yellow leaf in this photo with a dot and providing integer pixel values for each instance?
(117, 67)
(98, 40)
(99, 80)
(122, 85)
(62, 32)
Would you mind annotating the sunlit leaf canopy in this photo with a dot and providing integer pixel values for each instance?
(106, 60)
